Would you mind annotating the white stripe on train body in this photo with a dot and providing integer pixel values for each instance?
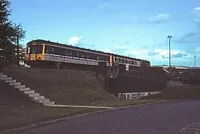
(69, 59)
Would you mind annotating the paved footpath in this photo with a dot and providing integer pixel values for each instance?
(180, 117)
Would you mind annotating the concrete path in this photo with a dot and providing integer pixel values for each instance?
(81, 106)
(168, 118)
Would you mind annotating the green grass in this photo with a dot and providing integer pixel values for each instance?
(64, 87)
(177, 93)
(18, 110)
(73, 87)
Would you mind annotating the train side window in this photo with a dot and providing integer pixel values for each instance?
(77, 54)
(55, 50)
(134, 63)
(33, 50)
(64, 52)
(58, 51)
(92, 56)
(83, 55)
(70, 53)
(73, 54)
(39, 49)
(97, 57)
(36, 49)
(52, 50)
(102, 58)
(107, 58)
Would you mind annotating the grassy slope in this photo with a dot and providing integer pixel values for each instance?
(64, 86)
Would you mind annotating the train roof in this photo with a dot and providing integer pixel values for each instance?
(76, 47)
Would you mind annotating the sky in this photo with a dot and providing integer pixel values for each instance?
(135, 28)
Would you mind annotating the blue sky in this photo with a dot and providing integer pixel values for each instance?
(135, 28)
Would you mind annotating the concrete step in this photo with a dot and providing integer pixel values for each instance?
(49, 103)
(24, 89)
(6, 78)
(3, 76)
(20, 86)
(34, 95)
(29, 92)
(44, 101)
(10, 81)
(41, 100)
(14, 83)
(36, 98)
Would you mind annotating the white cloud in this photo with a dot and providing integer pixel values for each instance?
(165, 53)
(107, 50)
(159, 18)
(197, 8)
(158, 56)
(136, 52)
(103, 5)
(197, 50)
(162, 17)
(74, 40)
(196, 12)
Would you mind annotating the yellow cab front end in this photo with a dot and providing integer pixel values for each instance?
(34, 51)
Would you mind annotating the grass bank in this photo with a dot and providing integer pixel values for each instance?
(63, 86)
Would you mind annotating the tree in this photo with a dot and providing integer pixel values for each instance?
(9, 32)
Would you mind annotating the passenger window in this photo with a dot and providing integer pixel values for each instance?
(52, 49)
(70, 53)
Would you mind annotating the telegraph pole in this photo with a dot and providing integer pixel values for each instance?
(17, 49)
(169, 37)
(194, 60)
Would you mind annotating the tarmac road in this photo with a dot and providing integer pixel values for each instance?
(178, 117)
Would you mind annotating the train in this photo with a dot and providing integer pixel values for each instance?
(116, 73)
(43, 51)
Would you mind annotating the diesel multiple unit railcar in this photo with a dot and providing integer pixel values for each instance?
(47, 51)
